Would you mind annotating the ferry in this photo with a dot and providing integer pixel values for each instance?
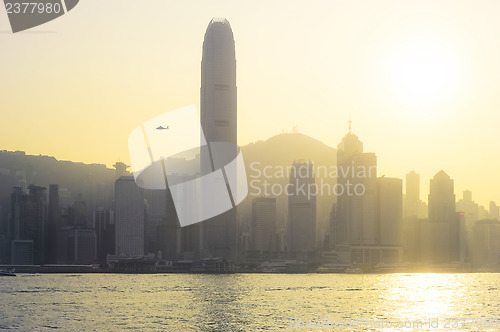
(353, 270)
(7, 273)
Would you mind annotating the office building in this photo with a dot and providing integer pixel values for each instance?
(301, 209)
(356, 212)
(35, 225)
(390, 214)
(129, 218)
(440, 234)
(263, 224)
(54, 223)
(104, 221)
(412, 198)
(219, 123)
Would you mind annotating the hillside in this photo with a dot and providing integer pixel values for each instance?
(278, 153)
(94, 182)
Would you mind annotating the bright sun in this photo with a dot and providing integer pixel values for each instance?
(423, 73)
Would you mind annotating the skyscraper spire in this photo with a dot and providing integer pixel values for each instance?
(218, 111)
(350, 122)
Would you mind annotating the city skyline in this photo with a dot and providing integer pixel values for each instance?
(370, 228)
(435, 130)
(268, 165)
(365, 230)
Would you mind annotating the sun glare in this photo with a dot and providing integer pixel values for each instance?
(423, 73)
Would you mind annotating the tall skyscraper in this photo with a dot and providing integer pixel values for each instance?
(169, 231)
(411, 225)
(442, 198)
(16, 227)
(494, 211)
(486, 242)
(80, 245)
(263, 223)
(78, 214)
(469, 207)
(357, 213)
(440, 235)
(36, 222)
(219, 123)
(301, 209)
(218, 83)
(333, 227)
(412, 198)
(54, 223)
(129, 218)
(104, 221)
(156, 201)
(390, 214)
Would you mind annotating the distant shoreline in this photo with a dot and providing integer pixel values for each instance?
(251, 272)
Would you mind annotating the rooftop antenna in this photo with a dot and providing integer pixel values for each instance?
(350, 122)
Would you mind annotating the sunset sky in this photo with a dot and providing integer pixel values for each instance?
(419, 78)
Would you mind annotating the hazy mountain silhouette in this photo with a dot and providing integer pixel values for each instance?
(283, 149)
(94, 182)
(280, 152)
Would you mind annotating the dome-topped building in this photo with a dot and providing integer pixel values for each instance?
(350, 143)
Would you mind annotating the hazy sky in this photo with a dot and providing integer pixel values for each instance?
(420, 78)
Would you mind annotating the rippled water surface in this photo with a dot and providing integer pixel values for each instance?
(179, 302)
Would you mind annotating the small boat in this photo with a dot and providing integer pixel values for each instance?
(7, 273)
(353, 270)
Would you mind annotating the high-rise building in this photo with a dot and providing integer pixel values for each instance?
(333, 226)
(390, 214)
(442, 198)
(440, 235)
(54, 223)
(301, 209)
(35, 227)
(77, 240)
(21, 252)
(469, 208)
(412, 198)
(104, 221)
(219, 123)
(4, 236)
(169, 231)
(121, 169)
(129, 218)
(80, 245)
(463, 241)
(494, 211)
(218, 83)
(411, 224)
(357, 210)
(263, 223)
(77, 214)
(486, 243)
(25, 227)
(16, 225)
(155, 201)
